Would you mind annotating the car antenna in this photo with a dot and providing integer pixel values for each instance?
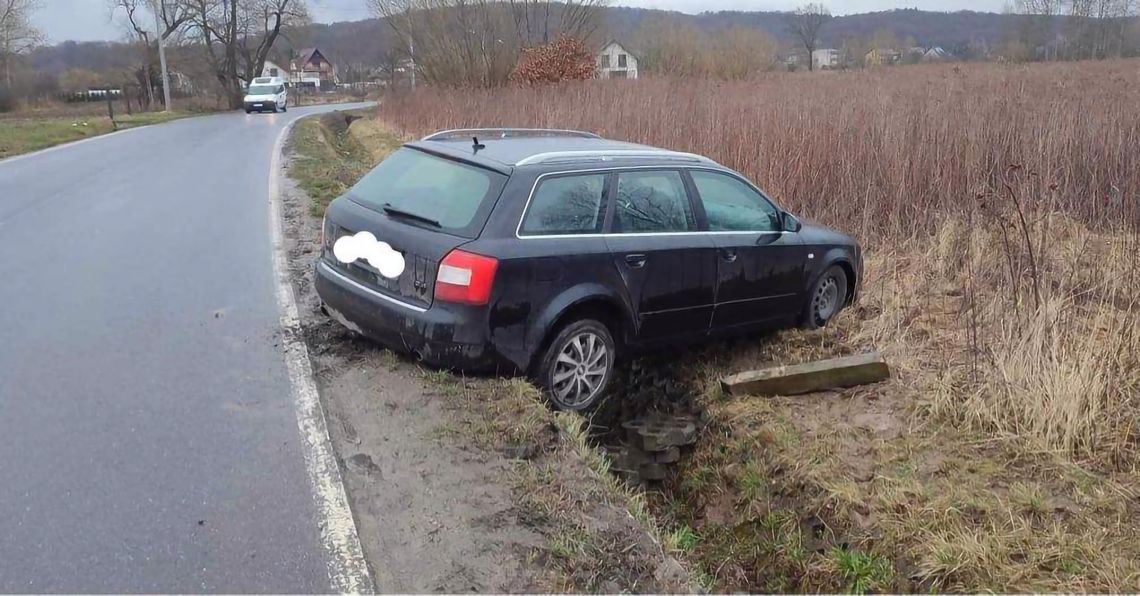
(476, 145)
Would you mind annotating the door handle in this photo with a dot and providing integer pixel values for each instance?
(728, 254)
(636, 260)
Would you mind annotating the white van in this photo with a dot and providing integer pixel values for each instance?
(267, 93)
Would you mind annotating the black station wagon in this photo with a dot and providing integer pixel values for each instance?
(553, 253)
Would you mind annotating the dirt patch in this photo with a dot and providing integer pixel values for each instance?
(458, 484)
(433, 515)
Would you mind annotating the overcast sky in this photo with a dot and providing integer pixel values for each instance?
(84, 20)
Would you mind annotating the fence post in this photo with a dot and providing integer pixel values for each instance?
(111, 111)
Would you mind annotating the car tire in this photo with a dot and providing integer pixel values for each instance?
(285, 108)
(577, 366)
(248, 111)
(828, 296)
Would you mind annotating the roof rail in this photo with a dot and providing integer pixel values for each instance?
(506, 133)
(611, 154)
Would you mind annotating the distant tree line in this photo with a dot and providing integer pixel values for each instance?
(221, 44)
(231, 38)
(1075, 29)
(479, 42)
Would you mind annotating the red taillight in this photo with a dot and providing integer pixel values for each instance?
(465, 278)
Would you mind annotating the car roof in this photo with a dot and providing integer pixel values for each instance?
(504, 149)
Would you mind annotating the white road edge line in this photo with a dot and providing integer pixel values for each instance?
(348, 570)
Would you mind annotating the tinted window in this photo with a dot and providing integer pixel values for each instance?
(733, 206)
(653, 201)
(431, 187)
(566, 205)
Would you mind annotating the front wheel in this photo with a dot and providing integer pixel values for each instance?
(577, 366)
(828, 296)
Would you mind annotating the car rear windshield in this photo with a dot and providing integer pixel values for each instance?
(262, 90)
(424, 189)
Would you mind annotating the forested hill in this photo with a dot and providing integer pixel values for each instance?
(365, 42)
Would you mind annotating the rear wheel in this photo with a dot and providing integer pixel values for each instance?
(828, 296)
(578, 364)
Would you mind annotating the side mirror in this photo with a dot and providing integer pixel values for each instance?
(791, 224)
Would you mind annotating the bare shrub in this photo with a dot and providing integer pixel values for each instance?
(564, 59)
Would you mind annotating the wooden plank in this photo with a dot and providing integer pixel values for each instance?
(810, 376)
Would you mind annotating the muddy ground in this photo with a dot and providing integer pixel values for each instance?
(432, 514)
(439, 510)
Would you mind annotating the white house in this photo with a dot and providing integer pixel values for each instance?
(313, 69)
(936, 54)
(271, 69)
(615, 62)
(826, 59)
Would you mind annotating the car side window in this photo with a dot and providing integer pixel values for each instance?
(652, 201)
(566, 205)
(733, 206)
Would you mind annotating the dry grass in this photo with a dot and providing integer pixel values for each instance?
(599, 533)
(331, 159)
(998, 206)
(27, 132)
(883, 153)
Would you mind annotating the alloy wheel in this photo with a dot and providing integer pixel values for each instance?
(580, 369)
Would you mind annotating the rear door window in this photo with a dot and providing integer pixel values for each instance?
(566, 205)
(652, 201)
(424, 189)
(733, 206)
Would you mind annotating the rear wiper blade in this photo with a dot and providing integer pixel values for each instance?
(390, 210)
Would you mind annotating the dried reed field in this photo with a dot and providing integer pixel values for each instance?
(999, 208)
(876, 151)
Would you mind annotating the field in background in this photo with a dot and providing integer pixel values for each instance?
(999, 208)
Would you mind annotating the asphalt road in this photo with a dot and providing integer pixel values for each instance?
(148, 441)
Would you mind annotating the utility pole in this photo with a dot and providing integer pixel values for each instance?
(412, 47)
(158, 5)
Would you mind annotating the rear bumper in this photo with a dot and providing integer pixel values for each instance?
(447, 336)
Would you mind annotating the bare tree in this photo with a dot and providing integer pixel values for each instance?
(540, 21)
(1098, 28)
(478, 42)
(238, 35)
(17, 34)
(172, 16)
(1037, 29)
(675, 47)
(805, 24)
